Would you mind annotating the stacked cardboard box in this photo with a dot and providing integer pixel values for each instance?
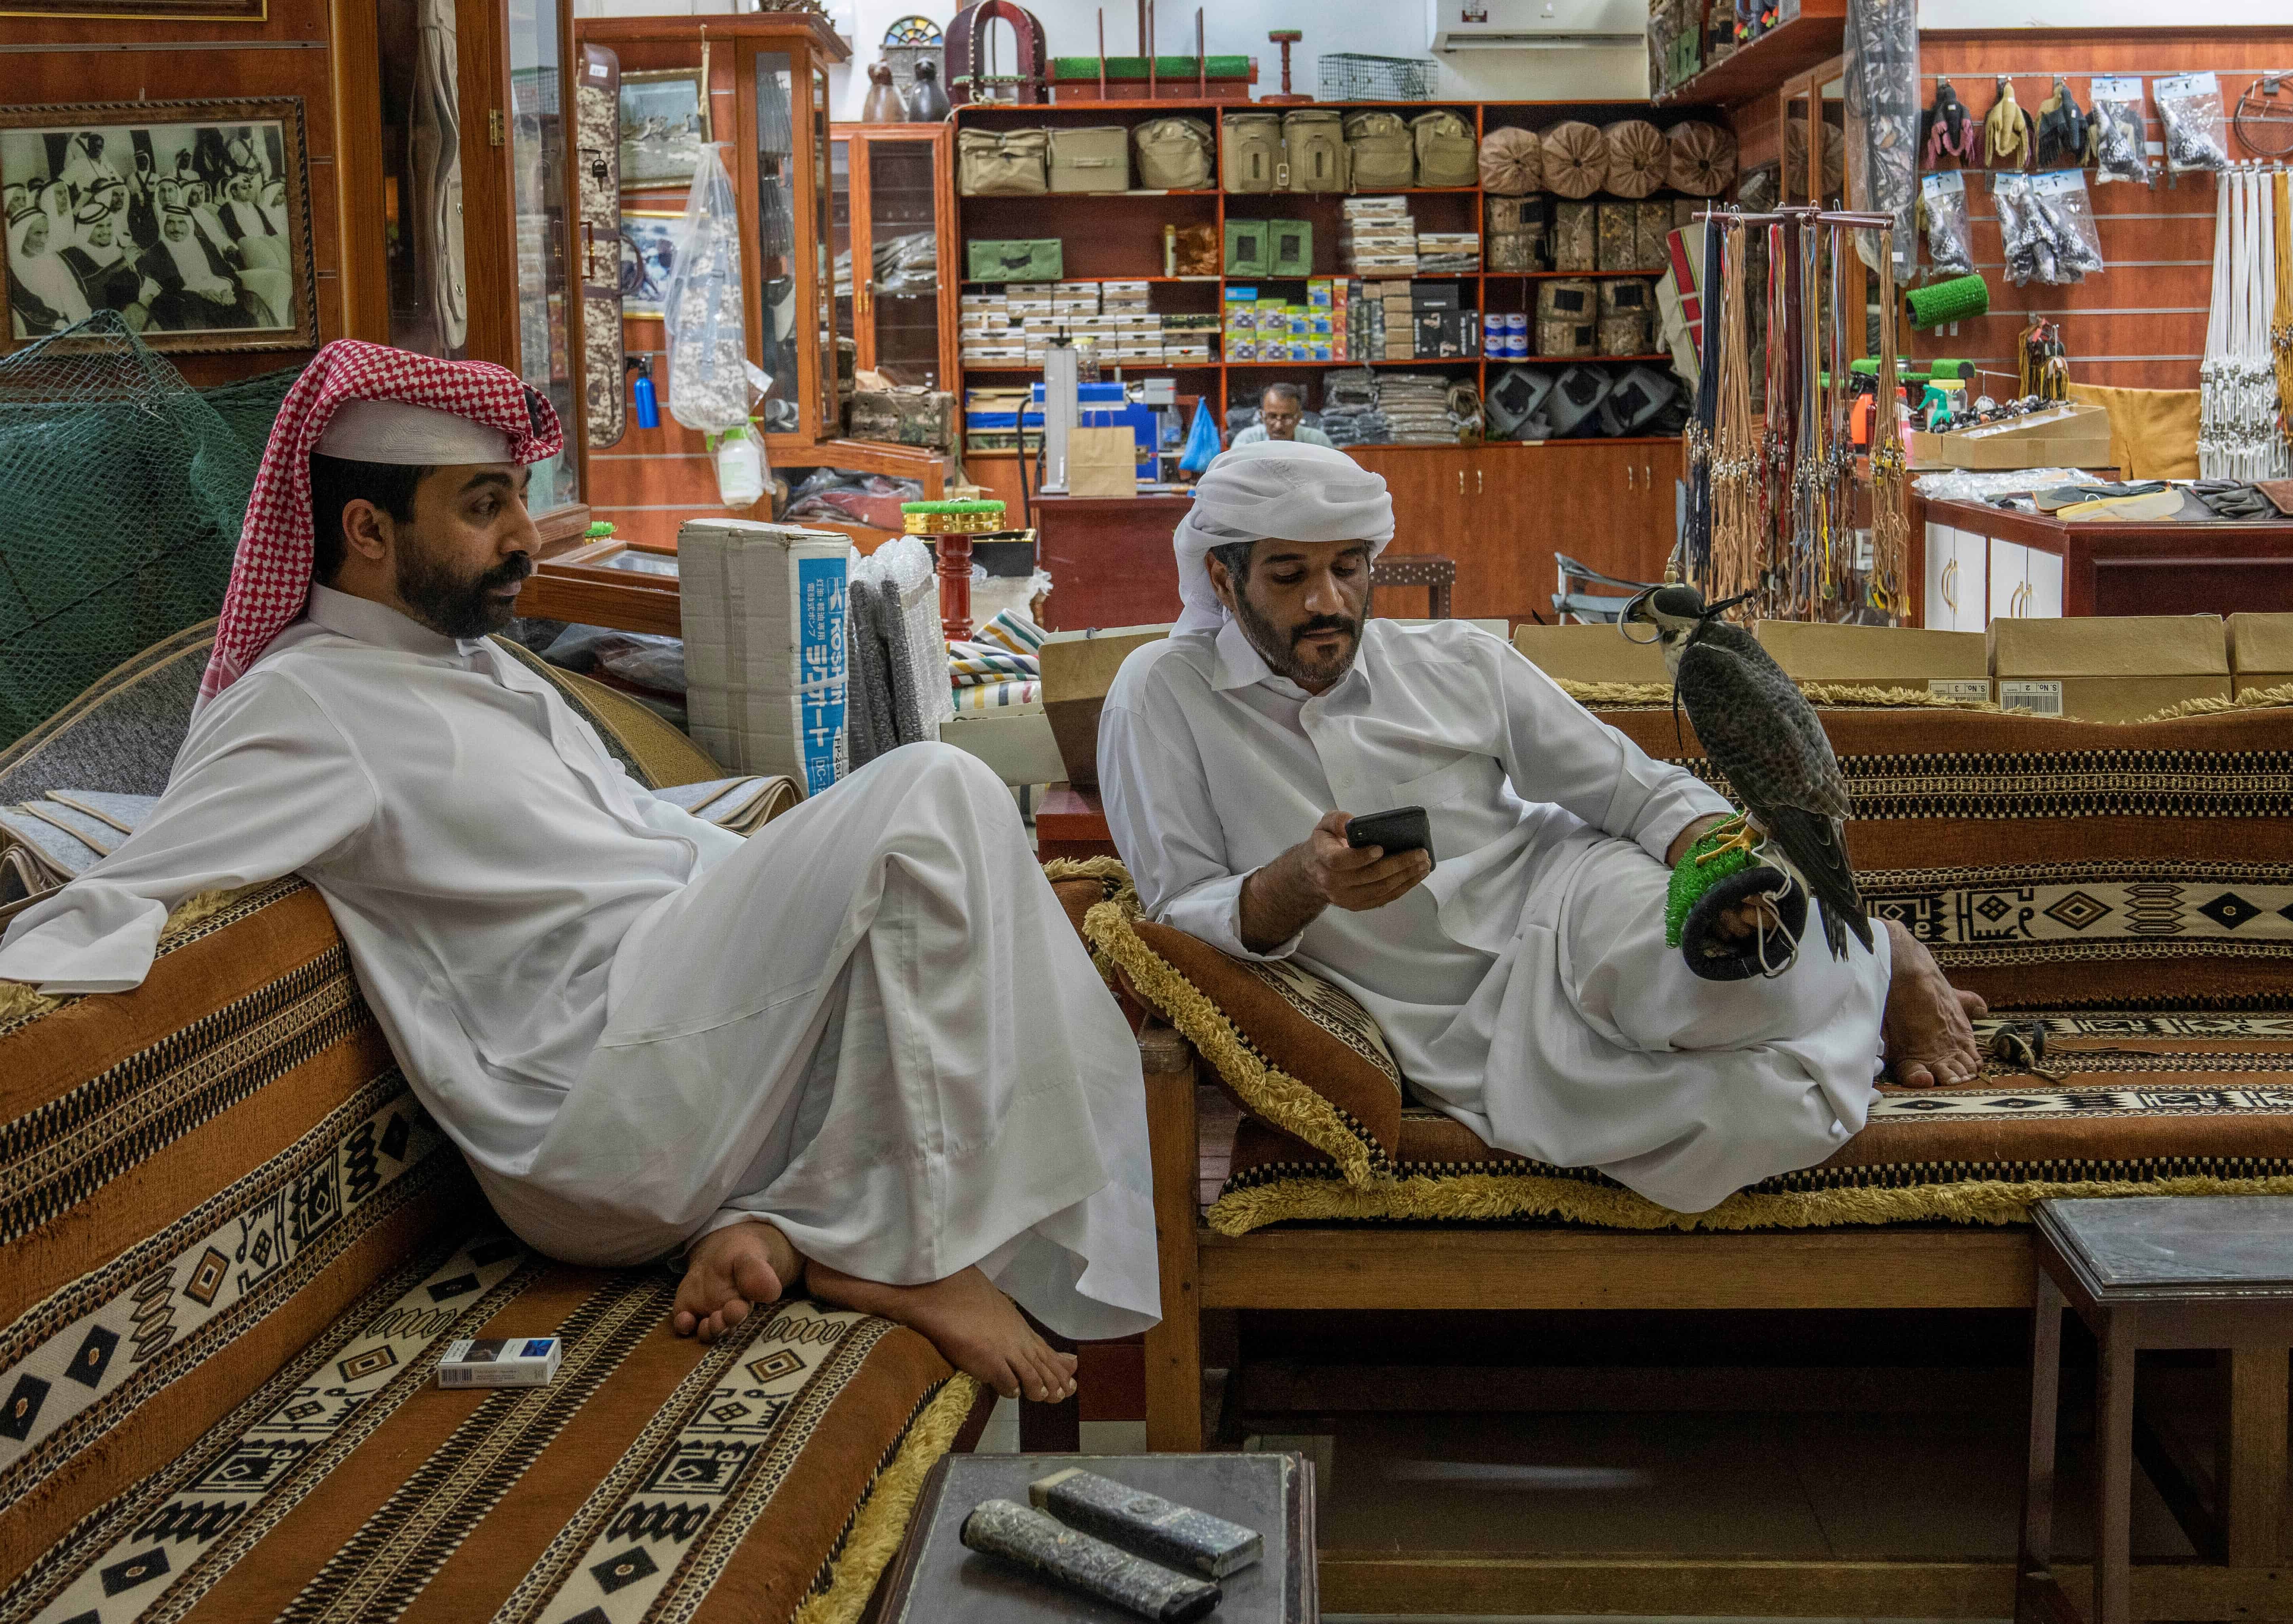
(1016, 328)
(1378, 237)
(2260, 650)
(2116, 668)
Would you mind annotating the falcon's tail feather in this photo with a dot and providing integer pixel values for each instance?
(1813, 844)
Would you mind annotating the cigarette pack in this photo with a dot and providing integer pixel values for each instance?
(500, 1362)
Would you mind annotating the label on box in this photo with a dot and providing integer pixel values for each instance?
(2032, 697)
(1970, 688)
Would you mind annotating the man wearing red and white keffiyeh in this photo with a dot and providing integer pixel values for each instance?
(862, 1050)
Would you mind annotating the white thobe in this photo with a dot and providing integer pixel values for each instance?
(870, 1023)
(1525, 987)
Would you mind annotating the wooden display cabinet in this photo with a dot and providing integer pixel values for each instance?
(892, 181)
(768, 82)
(458, 202)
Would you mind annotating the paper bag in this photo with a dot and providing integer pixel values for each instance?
(1102, 463)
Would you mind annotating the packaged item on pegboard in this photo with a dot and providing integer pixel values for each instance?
(1575, 237)
(2047, 227)
(2190, 107)
(2121, 150)
(1950, 233)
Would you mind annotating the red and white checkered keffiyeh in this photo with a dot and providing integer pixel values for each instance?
(270, 574)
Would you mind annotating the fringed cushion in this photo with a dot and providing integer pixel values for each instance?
(2137, 1105)
(1290, 1047)
(2054, 865)
(767, 1478)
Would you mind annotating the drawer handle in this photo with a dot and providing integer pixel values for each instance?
(1477, 481)
(1951, 586)
(1461, 482)
(1628, 476)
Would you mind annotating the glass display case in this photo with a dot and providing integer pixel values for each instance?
(766, 75)
(896, 274)
(548, 299)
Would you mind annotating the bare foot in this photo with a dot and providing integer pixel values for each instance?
(974, 1326)
(728, 1273)
(1928, 1024)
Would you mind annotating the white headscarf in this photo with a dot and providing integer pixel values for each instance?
(43, 275)
(1273, 488)
(191, 262)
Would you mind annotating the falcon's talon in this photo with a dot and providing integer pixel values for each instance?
(1741, 838)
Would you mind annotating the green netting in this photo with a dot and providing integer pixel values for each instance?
(122, 492)
(249, 407)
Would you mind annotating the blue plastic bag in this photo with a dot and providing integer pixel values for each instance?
(1203, 442)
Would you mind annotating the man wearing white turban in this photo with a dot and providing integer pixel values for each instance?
(1521, 980)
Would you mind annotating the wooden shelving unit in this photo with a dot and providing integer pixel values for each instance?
(1117, 236)
(1788, 48)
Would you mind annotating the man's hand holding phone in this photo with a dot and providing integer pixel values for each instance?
(1326, 870)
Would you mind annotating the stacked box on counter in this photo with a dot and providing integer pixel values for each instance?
(1417, 321)
(1377, 237)
(992, 419)
(764, 610)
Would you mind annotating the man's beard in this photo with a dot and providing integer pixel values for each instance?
(1279, 649)
(452, 605)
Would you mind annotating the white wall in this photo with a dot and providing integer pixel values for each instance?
(1232, 28)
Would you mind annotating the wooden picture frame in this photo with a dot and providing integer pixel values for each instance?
(652, 92)
(246, 281)
(144, 11)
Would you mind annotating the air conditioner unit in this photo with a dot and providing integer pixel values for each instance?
(1535, 25)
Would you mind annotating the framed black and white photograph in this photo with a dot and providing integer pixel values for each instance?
(192, 219)
(664, 124)
(648, 255)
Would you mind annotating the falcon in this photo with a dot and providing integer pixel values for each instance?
(1761, 731)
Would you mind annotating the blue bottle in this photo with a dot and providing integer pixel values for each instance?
(648, 407)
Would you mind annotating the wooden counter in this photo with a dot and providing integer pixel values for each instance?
(1977, 563)
(1109, 558)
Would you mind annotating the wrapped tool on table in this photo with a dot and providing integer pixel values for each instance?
(1951, 234)
(2120, 145)
(2197, 137)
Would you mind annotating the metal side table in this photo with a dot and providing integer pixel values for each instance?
(2160, 1272)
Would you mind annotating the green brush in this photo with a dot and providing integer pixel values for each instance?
(1959, 299)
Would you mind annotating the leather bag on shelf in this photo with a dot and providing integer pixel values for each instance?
(1174, 154)
(1093, 158)
(1252, 145)
(1447, 155)
(1001, 163)
(1313, 145)
(1381, 152)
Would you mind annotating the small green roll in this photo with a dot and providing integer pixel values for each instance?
(1940, 303)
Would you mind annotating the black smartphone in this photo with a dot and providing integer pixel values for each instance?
(1404, 828)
